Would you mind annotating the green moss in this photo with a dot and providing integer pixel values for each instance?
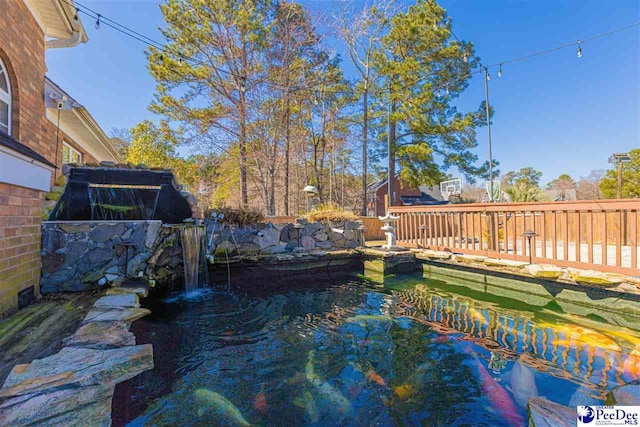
(122, 209)
(52, 196)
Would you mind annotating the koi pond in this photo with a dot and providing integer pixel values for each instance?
(350, 351)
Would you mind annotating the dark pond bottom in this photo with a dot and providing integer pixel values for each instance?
(346, 351)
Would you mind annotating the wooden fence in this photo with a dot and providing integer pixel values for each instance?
(600, 234)
(373, 224)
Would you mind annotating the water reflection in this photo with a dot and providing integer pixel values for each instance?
(360, 354)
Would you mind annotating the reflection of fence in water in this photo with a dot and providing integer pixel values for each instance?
(544, 348)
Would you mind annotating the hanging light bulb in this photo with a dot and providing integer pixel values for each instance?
(579, 53)
(435, 24)
(98, 22)
(180, 60)
(75, 16)
(500, 71)
(488, 75)
(465, 58)
(161, 58)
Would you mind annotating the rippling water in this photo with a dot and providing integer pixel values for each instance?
(414, 352)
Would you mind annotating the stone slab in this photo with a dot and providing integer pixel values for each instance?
(437, 254)
(103, 314)
(545, 413)
(129, 300)
(470, 258)
(496, 262)
(76, 367)
(546, 271)
(139, 288)
(101, 336)
(594, 277)
(86, 406)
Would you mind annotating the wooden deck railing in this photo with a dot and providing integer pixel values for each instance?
(600, 234)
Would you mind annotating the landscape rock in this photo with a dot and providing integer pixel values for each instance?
(321, 237)
(437, 254)
(129, 300)
(324, 245)
(103, 232)
(546, 271)
(270, 237)
(101, 336)
(153, 229)
(545, 413)
(75, 367)
(308, 242)
(131, 287)
(75, 228)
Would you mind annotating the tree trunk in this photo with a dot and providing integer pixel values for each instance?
(365, 128)
(243, 128)
(287, 142)
(392, 154)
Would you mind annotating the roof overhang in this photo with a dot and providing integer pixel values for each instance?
(76, 122)
(56, 19)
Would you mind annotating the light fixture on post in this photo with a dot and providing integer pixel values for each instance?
(579, 51)
(618, 159)
(309, 192)
(529, 234)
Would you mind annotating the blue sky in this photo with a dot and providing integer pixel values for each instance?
(555, 112)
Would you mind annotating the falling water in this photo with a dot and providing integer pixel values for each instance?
(193, 248)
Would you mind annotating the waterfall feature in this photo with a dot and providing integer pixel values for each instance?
(193, 256)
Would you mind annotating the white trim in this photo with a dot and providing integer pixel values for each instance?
(20, 170)
(36, 15)
(6, 96)
(71, 152)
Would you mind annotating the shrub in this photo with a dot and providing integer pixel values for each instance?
(239, 216)
(330, 212)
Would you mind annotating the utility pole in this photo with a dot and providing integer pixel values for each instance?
(492, 225)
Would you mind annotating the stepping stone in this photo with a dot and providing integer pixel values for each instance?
(74, 367)
(496, 262)
(87, 406)
(127, 315)
(624, 395)
(544, 271)
(594, 277)
(101, 336)
(120, 301)
(545, 413)
(140, 289)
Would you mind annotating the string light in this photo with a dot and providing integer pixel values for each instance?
(75, 16)
(153, 43)
(500, 71)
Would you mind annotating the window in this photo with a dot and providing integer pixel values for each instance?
(70, 154)
(5, 100)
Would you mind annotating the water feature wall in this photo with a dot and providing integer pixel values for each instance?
(268, 239)
(84, 255)
(116, 192)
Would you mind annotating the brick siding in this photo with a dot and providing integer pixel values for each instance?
(20, 220)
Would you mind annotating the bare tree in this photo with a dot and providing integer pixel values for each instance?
(588, 187)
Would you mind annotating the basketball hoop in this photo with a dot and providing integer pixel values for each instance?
(452, 187)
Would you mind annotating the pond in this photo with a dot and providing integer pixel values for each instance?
(350, 351)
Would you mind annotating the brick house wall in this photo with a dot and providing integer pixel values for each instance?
(20, 210)
(22, 49)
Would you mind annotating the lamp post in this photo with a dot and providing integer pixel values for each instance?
(362, 230)
(298, 227)
(309, 192)
(423, 230)
(618, 159)
(529, 234)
